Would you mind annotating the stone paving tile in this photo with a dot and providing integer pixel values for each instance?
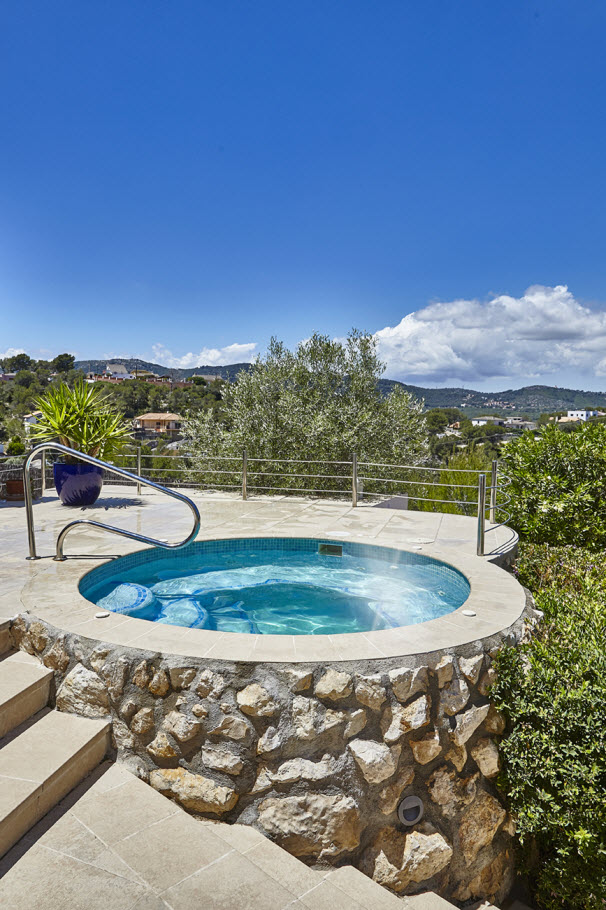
(232, 883)
(122, 811)
(283, 867)
(45, 878)
(182, 845)
(326, 896)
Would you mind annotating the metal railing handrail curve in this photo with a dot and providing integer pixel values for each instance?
(89, 459)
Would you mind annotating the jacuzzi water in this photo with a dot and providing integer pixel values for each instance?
(283, 586)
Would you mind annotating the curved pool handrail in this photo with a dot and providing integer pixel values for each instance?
(89, 459)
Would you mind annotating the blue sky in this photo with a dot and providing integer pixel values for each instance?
(179, 178)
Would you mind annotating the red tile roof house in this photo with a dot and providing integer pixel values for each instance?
(161, 422)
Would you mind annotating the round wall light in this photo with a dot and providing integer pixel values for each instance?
(410, 811)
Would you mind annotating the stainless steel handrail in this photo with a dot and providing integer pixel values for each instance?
(59, 557)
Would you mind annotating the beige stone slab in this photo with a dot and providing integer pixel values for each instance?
(283, 868)
(46, 878)
(122, 811)
(17, 706)
(13, 794)
(239, 837)
(232, 882)
(361, 888)
(275, 648)
(326, 896)
(183, 845)
(47, 745)
(355, 646)
(429, 901)
(315, 648)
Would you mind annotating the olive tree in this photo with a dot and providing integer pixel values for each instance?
(312, 407)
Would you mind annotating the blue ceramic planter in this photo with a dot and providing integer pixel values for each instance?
(78, 484)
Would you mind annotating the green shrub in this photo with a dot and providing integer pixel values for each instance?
(553, 693)
(15, 446)
(567, 569)
(559, 485)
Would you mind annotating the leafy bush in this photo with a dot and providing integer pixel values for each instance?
(16, 446)
(457, 488)
(553, 693)
(559, 485)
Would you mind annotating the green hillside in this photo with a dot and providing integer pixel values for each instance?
(224, 372)
(532, 400)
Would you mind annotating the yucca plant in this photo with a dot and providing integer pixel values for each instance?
(83, 419)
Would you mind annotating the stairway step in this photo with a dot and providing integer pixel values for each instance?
(363, 889)
(41, 764)
(428, 900)
(5, 635)
(24, 689)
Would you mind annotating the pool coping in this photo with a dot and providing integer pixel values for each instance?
(496, 598)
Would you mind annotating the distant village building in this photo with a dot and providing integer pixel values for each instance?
(117, 371)
(584, 414)
(483, 421)
(30, 420)
(517, 423)
(157, 424)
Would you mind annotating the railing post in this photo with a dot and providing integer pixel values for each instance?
(244, 473)
(494, 477)
(29, 509)
(43, 469)
(354, 480)
(138, 469)
(481, 512)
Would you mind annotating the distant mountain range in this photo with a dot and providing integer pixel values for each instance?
(532, 400)
(226, 372)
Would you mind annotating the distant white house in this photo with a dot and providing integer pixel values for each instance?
(583, 414)
(483, 421)
(30, 420)
(117, 371)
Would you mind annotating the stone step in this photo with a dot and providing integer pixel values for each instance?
(429, 900)
(368, 894)
(373, 896)
(24, 689)
(5, 635)
(40, 762)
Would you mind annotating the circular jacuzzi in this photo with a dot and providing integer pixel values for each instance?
(278, 586)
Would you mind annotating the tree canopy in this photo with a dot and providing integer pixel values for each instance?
(320, 402)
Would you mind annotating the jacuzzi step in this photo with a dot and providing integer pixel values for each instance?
(40, 763)
(24, 689)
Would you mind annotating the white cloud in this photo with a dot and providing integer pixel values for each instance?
(544, 331)
(231, 353)
(11, 352)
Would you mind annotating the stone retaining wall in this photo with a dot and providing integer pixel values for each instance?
(316, 757)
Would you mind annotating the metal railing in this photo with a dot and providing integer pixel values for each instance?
(418, 487)
(88, 459)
